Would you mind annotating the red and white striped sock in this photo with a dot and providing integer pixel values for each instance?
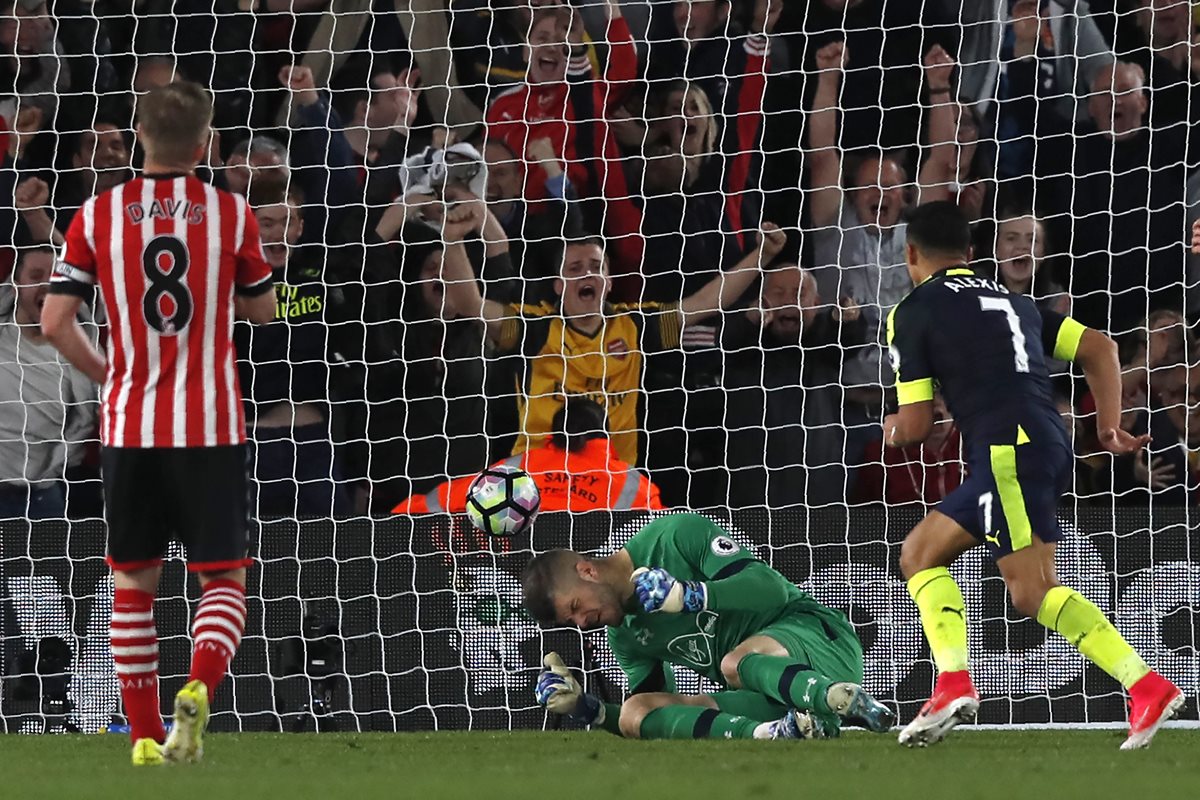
(134, 642)
(217, 631)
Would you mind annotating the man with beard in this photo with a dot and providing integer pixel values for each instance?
(783, 395)
(581, 345)
(47, 407)
(683, 592)
(99, 161)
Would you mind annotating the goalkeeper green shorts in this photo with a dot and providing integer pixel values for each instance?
(822, 638)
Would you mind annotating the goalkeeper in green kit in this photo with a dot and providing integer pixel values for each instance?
(683, 592)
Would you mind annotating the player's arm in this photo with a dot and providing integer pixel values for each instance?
(1067, 340)
(913, 422)
(61, 327)
(254, 289)
(462, 290)
(734, 579)
(74, 281)
(724, 290)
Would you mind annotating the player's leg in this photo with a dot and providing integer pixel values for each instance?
(213, 526)
(778, 663)
(1033, 585)
(137, 539)
(724, 715)
(925, 558)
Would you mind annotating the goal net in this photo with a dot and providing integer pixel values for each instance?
(685, 218)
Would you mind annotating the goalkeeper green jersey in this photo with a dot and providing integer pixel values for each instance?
(745, 596)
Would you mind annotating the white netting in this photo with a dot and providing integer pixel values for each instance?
(674, 133)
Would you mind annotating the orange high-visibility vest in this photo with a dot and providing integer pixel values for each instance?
(594, 478)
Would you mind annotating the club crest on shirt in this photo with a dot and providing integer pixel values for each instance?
(724, 546)
(894, 358)
(617, 348)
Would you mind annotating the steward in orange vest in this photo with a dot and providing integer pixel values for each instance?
(575, 471)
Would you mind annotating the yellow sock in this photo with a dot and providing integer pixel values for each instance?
(1087, 629)
(943, 615)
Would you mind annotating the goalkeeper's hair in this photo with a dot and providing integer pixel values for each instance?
(540, 580)
(174, 121)
(939, 228)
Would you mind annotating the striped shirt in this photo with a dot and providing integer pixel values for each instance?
(168, 253)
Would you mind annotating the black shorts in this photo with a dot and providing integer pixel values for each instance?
(1011, 494)
(196, 495)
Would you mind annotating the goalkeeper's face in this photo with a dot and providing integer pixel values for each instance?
(586, 601)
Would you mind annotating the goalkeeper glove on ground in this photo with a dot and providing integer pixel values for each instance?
(558, 691)
(657, 590)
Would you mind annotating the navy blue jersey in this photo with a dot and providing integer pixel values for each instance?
(986, 349)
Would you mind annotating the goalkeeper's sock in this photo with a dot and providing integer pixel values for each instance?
(745, 703)
(134, 643)
(691, 722)
(943, 616)
(786, 681)
(217, 631)
(1084, 625)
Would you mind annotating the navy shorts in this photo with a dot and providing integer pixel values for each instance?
(1011, 494)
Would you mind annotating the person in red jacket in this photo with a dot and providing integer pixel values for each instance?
(923, 473)
(561, 102)
(576, 470)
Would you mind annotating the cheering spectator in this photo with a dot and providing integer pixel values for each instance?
(699, 188)
(958, 166)
(785, 442)
(532, 238)
(1160, 37)
(47, 407)
(923, 473)
(378, 106)
(884, 41)
(859, 245)
(575, 470)
(99, 160)
(284, 368)
(31, 59)
(573, 114)
(605, 345)
(1117, 198)
(1050, 53)
(251, 158)
(319, 155)
(1019, 249)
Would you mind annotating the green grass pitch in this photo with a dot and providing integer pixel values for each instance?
(1013, 765)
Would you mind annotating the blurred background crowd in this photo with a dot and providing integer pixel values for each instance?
(690, 214)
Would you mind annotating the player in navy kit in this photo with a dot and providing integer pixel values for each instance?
(986, 348)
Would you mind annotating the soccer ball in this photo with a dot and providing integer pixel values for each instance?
(503, 501)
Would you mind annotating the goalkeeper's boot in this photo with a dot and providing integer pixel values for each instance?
(147, 753)
(797, 725)
(954, 700)
(852, 703)
(1155, 700)
(185, 743)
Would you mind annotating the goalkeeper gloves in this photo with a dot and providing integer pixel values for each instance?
(657, 590)
(558, 691)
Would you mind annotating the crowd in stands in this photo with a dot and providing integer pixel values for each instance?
(690, 214)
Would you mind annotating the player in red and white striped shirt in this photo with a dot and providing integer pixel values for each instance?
(176, 260)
